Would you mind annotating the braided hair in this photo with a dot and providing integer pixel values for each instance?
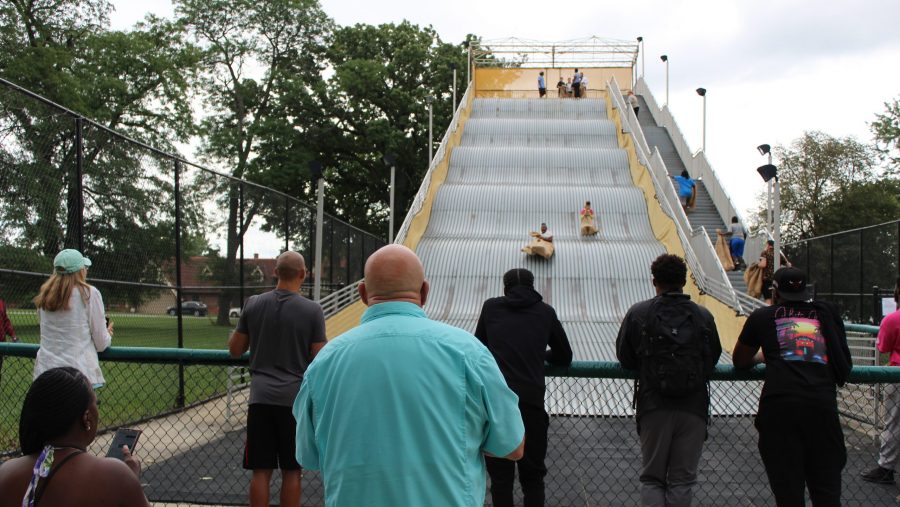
(54, 402)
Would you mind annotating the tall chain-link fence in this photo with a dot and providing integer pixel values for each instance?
(846, 267)
(176, 247)
(193, 454)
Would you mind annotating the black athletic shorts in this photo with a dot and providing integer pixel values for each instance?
(271, 438)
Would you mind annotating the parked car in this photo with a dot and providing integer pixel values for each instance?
(195, 308)
(234, 312)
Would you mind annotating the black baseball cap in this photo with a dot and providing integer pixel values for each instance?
(791, 284)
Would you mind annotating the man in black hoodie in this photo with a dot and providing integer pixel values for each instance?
(517, 329)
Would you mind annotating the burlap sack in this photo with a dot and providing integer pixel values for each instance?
(539, 247)
(724, 252)
(587, 225)
(753, 276)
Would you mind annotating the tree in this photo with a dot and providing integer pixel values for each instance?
(886, 129)
(815, 170)
(255, 53)
(860, 204)
(135, 82)
(376, 104)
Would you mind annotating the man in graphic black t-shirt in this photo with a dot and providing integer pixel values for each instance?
(804, 347)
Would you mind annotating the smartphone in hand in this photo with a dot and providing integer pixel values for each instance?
(124, 436)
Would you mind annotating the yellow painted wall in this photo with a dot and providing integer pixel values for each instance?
(348, 318)
(728, 323)
(489, 81)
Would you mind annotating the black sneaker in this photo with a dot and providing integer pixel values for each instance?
(879, 475)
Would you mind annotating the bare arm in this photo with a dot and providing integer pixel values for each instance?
(745, 356)
(124, 478)
(314, 349)
(517, 454)
(238, 343)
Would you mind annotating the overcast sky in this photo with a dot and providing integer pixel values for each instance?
(773, 68)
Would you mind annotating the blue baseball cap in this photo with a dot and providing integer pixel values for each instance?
(70, 261)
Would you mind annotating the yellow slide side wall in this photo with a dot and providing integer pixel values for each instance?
(728, 323)
(348, 318)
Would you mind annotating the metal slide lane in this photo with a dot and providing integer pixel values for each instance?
(523, 162)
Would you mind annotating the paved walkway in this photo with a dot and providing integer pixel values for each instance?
(592, 461)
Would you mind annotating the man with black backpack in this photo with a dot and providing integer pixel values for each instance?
(674, 345)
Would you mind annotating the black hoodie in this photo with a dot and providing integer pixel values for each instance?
(517, 329)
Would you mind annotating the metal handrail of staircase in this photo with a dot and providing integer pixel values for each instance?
(706, 268)
(697, 164)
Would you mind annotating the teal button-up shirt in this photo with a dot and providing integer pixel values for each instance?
(399, 410)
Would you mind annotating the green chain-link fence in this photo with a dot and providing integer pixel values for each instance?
(193, 455)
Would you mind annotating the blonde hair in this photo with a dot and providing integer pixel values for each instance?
(57, 290)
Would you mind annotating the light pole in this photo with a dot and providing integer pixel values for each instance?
(665, 59)
(315, 169)
(453, 66)
(429, 100)
(390, 160)
(641, 51)
(770, 172)
(765, 149)
(468, 45)
(702, 92)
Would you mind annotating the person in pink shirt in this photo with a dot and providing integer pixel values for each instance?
(888, 454)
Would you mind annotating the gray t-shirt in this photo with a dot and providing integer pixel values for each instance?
(737, 230)
(282, 325)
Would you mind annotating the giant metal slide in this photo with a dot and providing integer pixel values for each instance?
(514, 164)
(521, 162)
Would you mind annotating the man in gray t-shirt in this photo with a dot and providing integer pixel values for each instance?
(283, 331)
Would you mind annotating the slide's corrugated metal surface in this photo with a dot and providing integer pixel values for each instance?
(523, 162)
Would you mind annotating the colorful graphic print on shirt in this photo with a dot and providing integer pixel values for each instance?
(800, 339)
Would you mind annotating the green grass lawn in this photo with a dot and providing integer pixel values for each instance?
(133, 391)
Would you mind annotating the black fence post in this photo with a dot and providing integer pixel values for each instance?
(241, 231)
(179, 401)
(75, 202)
(331, 259)
(876, 306)
(862, 296)
(287, 223)
(831, 266)
(347, 279)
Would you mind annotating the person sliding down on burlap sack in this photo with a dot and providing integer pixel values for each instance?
(588, 225)
(542, 244)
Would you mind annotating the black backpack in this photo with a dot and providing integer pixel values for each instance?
(674, 350)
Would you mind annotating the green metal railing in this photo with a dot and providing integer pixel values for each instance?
(192, 454)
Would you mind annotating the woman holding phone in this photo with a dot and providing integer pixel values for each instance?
(72, 318)
(58, 422)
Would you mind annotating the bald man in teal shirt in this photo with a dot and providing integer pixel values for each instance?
(402, 409)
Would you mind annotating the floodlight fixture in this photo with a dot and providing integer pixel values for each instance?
(389, 159)
(767, 172)
(764, 149)
(664, 58)
(701, 92)
(315, 169)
